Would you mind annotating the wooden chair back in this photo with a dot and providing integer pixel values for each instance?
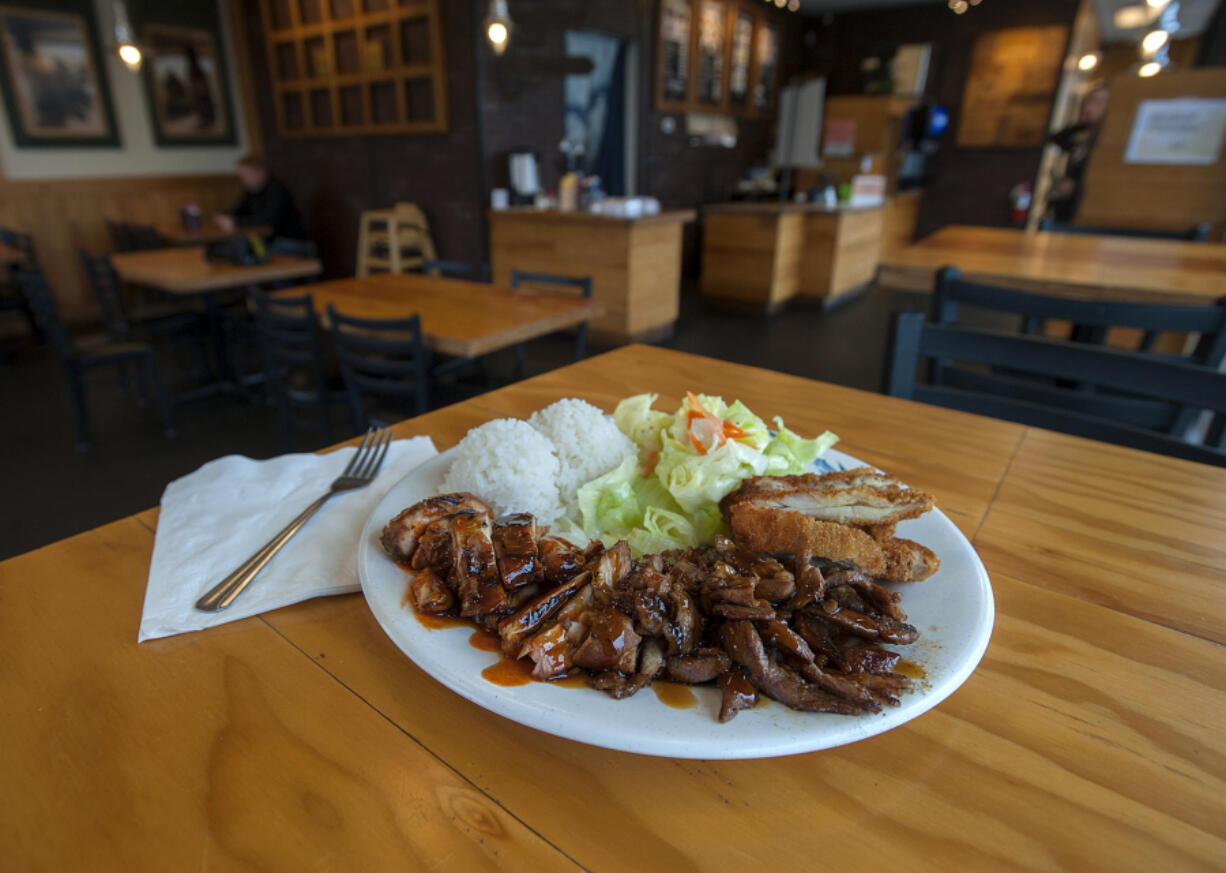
(1180, 381)
(394, 240)
(380, 360)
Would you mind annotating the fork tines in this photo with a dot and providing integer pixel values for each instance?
(367, 460)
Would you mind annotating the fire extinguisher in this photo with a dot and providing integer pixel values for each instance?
(1019, 202)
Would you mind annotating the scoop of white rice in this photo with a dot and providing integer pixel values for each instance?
(587, 442)
(511, 466)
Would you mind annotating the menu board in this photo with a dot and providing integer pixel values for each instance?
(712, 19)
(674, 49)
(742, 55)
(1007, 100)
(766, 53)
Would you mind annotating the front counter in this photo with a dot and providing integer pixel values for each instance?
(634, 263)
(761, 255)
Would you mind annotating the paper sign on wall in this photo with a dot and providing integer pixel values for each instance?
(1183, 131)
(840, 138)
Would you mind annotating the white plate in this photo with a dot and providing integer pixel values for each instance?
(953, 611)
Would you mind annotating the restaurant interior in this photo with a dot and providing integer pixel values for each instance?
(982, 241)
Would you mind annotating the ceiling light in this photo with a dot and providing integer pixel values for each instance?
(1157, 4)
(958, 6)
(498, 26)
(781, 3)
(1132, 17)
(1152, 68)
(793, 5)
(1087, 62)
(1154, 40)
(125, 43)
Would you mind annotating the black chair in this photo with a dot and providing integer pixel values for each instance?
(1092, 320)
(14, 299)
(78, 359)
(127, 237)
(295, 371)
(584, 284)
(1181, 382)
(1199, 233)
(380, 360)
(456, 270)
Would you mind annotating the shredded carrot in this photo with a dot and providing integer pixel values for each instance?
(652, 460)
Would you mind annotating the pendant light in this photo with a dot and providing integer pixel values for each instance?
(125, 42)
(498, 26)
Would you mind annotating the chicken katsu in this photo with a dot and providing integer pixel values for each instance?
(792, 605)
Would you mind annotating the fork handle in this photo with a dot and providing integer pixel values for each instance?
(224, 592)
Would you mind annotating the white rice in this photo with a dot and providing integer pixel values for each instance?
(587, 442)
(511, 466)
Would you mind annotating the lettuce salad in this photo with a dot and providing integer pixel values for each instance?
(667, 496)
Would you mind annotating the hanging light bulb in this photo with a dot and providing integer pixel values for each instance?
(1154, 40)
(498, 26)
(1088, 62)
(1152, 68)
(958, 6)
(125, 43)
(793, 5)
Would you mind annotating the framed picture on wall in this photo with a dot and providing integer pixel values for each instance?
(54, 87)
(189, 101)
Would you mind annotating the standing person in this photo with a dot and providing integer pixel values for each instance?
(1077, 140)
(265, 201)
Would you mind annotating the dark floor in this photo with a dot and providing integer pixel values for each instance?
(53, 491)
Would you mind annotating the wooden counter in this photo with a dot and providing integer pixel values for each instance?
(761, 255)
(635, 263)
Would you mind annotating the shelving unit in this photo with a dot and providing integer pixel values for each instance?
(346, 67)
(722, 55)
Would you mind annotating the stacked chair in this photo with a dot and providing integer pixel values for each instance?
(394, 240)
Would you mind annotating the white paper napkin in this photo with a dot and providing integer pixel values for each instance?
(217, 517)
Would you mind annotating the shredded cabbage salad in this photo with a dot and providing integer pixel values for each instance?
(667, 497)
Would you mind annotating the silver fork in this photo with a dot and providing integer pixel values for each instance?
(362, 469)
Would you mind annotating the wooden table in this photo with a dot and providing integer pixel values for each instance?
(1083, 265)
(759, 256)
(185, 270)
(460, 318)
(1090, 737)
(634, 263)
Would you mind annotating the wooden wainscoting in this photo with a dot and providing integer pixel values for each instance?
(68, 216)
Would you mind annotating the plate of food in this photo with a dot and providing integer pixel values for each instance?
(693, 584)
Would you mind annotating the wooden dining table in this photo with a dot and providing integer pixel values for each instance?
(1089, 738)
(458, 317)
(1072, 264)
(185, 270)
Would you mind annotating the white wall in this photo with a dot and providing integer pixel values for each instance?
(137, 153)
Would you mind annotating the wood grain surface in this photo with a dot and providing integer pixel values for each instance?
(634, 264)
(186, 270)
(1088, 739)
(457, 317)
(1084, 265)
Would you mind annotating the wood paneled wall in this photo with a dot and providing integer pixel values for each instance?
(1158, 196)
(69, 216)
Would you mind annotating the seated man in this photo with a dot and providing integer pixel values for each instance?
(265, 202)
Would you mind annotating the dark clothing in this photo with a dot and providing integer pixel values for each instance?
(272, 206)
(1078, 140)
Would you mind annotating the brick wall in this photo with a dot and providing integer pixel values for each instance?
(335, 178)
